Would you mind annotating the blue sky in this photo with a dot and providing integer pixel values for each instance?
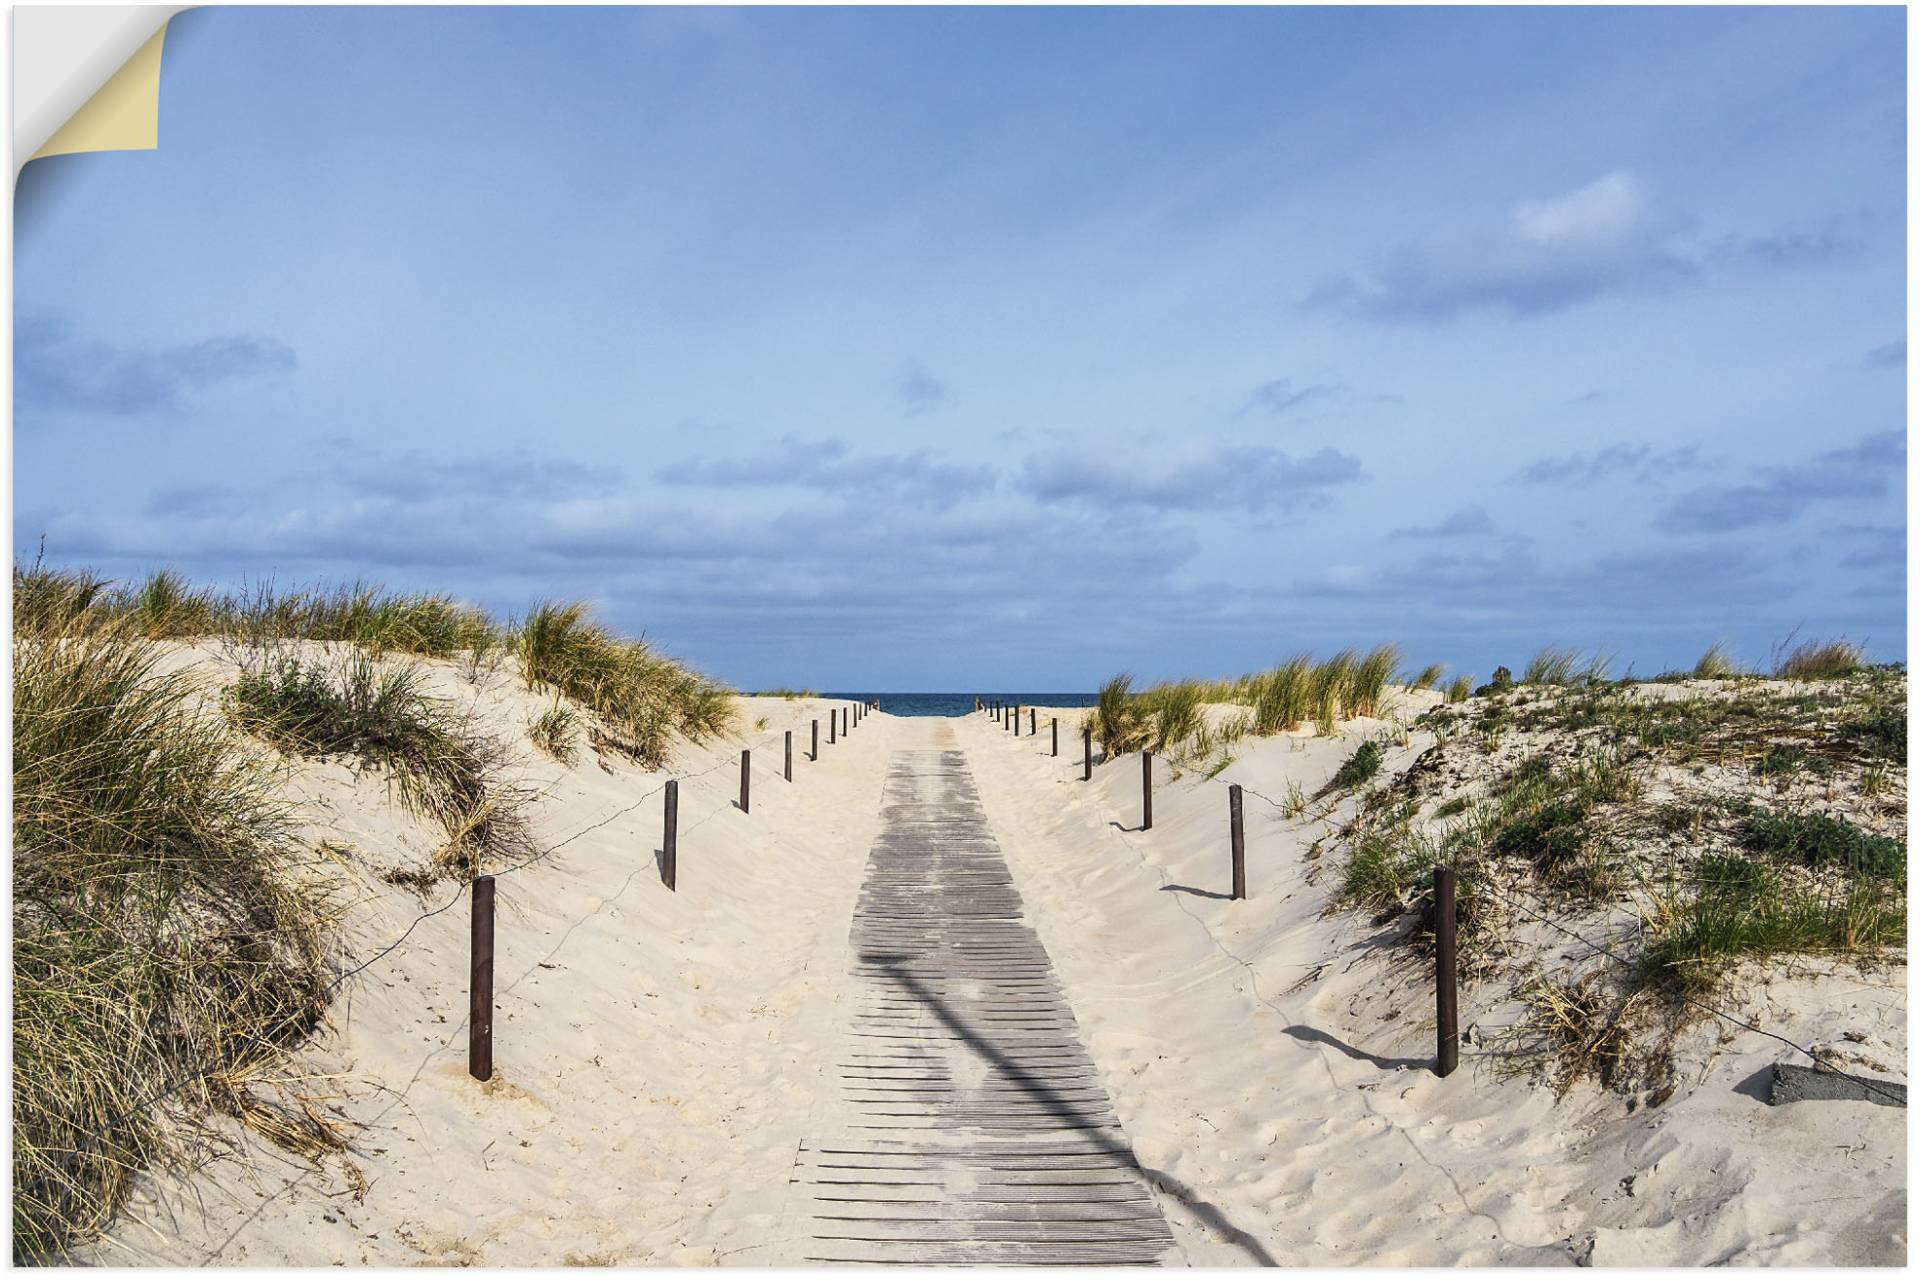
(1001, 348)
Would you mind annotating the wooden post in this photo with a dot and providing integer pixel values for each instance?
(833, 724)
(1146, 790)
(480, 983)
(1446, 974)
(1033, 722)
(1086, 741)
(1056, 735)
(815, 754)
(1016, 722)
(746, 777)
(670, 837)
(787, 769)
(1237, 829)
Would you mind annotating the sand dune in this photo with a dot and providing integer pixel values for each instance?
(660, 1056)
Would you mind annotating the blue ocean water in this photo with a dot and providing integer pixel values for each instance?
(960, 704)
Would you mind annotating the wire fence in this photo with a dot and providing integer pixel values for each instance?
(270, 1037)
(1295, 809)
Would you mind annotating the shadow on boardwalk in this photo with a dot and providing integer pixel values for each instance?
(1042, 1092)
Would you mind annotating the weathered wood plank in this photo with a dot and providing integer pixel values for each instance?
(973, 1126)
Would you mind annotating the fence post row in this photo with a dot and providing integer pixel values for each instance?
(670, 836)
(1086, 741)
(787, 768)
(1236, 828)
(746, 777)
(1446, 975)
(1146, 790)
(480, 983)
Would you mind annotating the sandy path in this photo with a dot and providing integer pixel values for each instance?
(968, 1125)
(656, 1053)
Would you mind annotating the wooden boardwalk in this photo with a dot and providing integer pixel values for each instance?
(971, 1126)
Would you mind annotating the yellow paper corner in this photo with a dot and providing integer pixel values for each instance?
(124, 115)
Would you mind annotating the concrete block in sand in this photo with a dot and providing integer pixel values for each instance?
(1811, 1084)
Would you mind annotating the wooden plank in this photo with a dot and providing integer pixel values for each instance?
(973, 1125)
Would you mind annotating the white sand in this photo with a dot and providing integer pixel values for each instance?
(1273, 1060)
(660, 1055)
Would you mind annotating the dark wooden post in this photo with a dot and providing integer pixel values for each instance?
(1086, 741)
(787, 769)
(815, 754)
(1146, 790)
(1033, 722)
(1446, 974)
(746, 777)
(1016, 722)
(1237, 829)
(480, 983)
(670, 836)
(1056, 735)
(833, 724)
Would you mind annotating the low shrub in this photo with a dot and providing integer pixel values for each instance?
(1823, 840)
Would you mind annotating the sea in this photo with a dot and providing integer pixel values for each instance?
(960, 704)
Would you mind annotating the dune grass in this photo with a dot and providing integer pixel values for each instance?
(1429, 676)
(1367, 685)
(1357, 768)
(1280, 699)
(375, 711)
(1740, 909)
(1717, 663)
(161, 929)
(1566, 667)
(1820, 660)
(644, 697)
(555, 732)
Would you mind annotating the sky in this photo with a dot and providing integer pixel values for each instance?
(1008, 348)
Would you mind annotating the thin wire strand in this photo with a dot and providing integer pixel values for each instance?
(260, 1039)
(1601, 949)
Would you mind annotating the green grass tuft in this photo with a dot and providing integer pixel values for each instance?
(1821, 660)
(643, 696)
(376, 712)
(1716, 664)
(1359, 767)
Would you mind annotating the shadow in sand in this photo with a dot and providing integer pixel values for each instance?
(1118, 827)
(1072, 1113)
(1198, 893)
(1314, 1035)
(1758, 1086)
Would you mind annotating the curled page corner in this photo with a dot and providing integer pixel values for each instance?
(87, 79)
